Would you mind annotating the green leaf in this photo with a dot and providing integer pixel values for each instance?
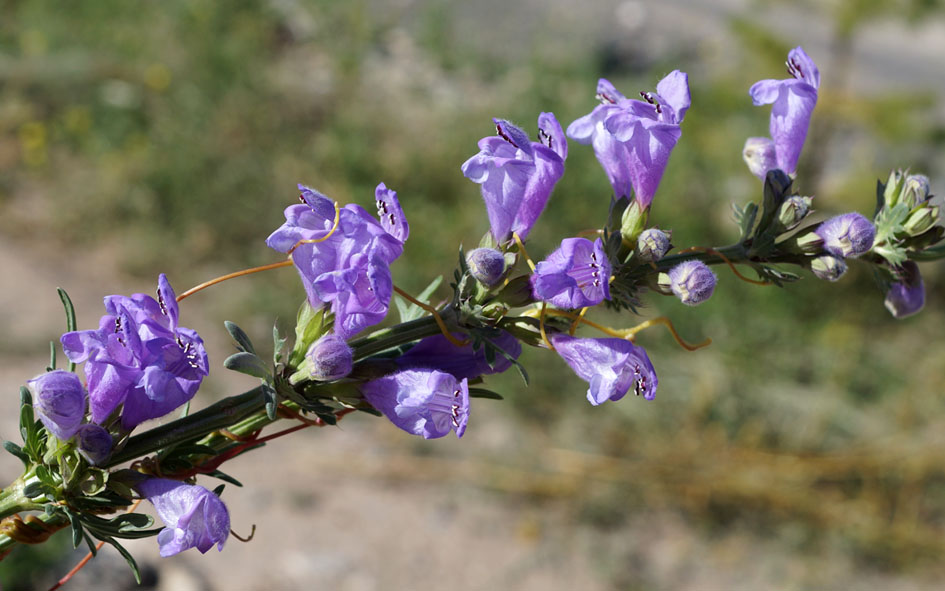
(70, 315)
(413, 311)
(37, 489)
(484, 393)
(52, 356)
(128, 557)
(278, 345)
(45, 476)
(242, 339)
(218, 491)
(77, 532)
(249, 364)
(224, 477)
(272, 401)
(18, 452)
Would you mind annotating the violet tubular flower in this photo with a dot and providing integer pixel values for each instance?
(194, 516)
(436, 352)
(517, 175)
(94, 443)
(847, 235)
(576, 275)
(139, 358)
(793, 101)
(633, 139)
(611, 367)
(428, 403)
(907, 296)
(59, 400)
(346, 266)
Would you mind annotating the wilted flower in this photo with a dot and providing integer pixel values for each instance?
(611, 367)
(792, 101)
(331, 358)
(423, 402)
(828, 267)
(59, 401)
(517, 175)
(349, 267)
(907, 296)
(575, 275)
(653, 244)
(438, 353)
(487, 265)
(94, 443)
(139, 358)
(692, 282)
(194, 516)
(633, 139)
(847, 235)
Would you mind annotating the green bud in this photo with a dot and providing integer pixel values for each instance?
(664, 284)
(793, 211)
(828, 267)
(893, 188)
(310, 325)
(632, 222)
(921, 220)
(810, 243)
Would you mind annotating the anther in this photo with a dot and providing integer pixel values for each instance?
(498, 130)
(544, 137)
(604, 98)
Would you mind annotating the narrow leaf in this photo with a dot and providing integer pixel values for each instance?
(484, 393)
(70, 315)
(249, 364)
(242, 339)
(18, 452)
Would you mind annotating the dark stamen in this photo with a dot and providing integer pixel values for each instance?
(498, 130)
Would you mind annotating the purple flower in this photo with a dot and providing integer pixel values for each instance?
(792, 103)
(350, 269)
(517, 175)
(331, 358)
(461, 362)
(487, 265)
(425, 402)
(611, 367)
(847, 235)
(692, 282)
(194, 516)
(633, 139)
(139, 358)
(576, 275)
(94, 443)
(59, 400)
(907, 296)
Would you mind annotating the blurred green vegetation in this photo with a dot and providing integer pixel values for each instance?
(172, 135)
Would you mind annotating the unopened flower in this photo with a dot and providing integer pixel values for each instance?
(348, 266)
(424, 402)
(517, 175)
(847, 235)
(633, 139)
(94, 443)
(692, 282)
(611, 367)
(576, 275)
(793, 101)
(487, 265)
(331, 358)
(828, 267)
(139, 358)
(59, 400)
(907, 296)
(194, 516)
(652, 245)
(916, 190)
(793, 211)
(438, 353)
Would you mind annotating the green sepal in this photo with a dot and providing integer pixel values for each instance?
(278, 345)
(70, 315)
(243, 343)
(272, 400)
(249, 364)
(777, 185)
(310, 325)
(488, 241)
(52, 356)
(218, 491)
(37, 489)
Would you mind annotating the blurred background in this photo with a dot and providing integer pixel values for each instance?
(802, 450)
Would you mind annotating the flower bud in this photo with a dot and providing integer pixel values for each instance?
(95, 443)
(487, 265)
(331, 358)
(810, 243)
(793, 211)
(692, 282)
(907, 296)
(632, 223)
(828, 267)
(653, 244)
(59, 399)
(759, 155)
(915, 190)
(847, 235)
(921, 220)
(894, 186)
